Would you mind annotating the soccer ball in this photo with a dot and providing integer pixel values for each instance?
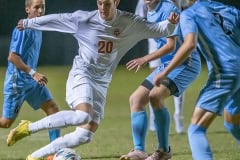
(66, 154)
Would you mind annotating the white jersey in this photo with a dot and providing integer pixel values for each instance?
(102, 43)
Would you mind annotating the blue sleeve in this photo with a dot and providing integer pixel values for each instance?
(187, 23)
(17, 41)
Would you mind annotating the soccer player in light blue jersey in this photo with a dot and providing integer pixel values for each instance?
(228, 17)
(222, 90)
(104, 37)
(175, 84)
(22, 81)
(141, 10)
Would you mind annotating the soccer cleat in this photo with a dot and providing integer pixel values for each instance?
(29, 157)
(160, 155)
(18, 133)
(179, 127)
(134, 155)
(50, 157)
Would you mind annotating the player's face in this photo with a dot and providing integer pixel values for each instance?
(107, 8)
(151, 3)
(36, 9)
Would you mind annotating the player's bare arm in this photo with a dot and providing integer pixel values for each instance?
(182, 54)
(139, 62)
(17, 61)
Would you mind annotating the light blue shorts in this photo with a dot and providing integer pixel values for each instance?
(221, 92)
(35, 95)
(182, 76)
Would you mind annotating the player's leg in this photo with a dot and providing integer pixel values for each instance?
(80, 136)
(162, 122)
(96, 95)
(138, 100)
(178, 113)
(232, 116)
(82, 103)
(210, 104)
(50, 107)
(53, 121)
(40, 97)
(199, 145)
(162, 116)
(11, 107)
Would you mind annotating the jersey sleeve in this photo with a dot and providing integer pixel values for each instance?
(64, 22)
(187, 23)
(153, 30)
(16, 41)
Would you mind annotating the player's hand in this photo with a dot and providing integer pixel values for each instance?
(159, 78)
(173, 18)
(20, 25)
(136, 64)
(40, 78)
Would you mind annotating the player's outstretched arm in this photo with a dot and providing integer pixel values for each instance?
(20, 25)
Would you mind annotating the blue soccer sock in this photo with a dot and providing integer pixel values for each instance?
(199, 143)
(53, 134)
(233, 129)
(162, 123)
(139, 122)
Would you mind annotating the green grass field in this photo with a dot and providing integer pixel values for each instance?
(113, 137)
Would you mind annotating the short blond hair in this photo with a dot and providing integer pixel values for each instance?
(28, 3)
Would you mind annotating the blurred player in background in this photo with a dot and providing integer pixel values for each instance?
(104, 36)
(22, 81)
(220, 49)
(141, 10)
(174, 84)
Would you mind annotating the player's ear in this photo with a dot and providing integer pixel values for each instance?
(116, 2)
(27, 10)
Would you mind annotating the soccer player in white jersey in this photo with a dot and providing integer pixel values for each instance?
(22, 81)
(141, 10)
(174, 84)
(104, 36)
(222, 90)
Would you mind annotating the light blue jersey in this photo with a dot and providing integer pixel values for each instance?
(220, 52)
(18, 85)
(25, 44)
(160, 13)
(228, 17)
(222, 57)
(186, 73)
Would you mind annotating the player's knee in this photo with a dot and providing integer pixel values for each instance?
(82, 117)
(5, 123)
(137, 102)
(134, 99)
(233, 129)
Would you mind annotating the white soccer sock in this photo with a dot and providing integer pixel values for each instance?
(151, 118)
(178, 104)
(60, 119)
(78, 137)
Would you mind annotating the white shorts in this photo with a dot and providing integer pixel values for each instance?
(152, 46)
(82, 88)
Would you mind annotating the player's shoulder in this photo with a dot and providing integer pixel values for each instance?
(125, 16)
(83, 13)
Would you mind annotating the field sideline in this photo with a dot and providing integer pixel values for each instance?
(113, 137)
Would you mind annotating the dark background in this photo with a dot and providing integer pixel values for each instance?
(59, 48)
